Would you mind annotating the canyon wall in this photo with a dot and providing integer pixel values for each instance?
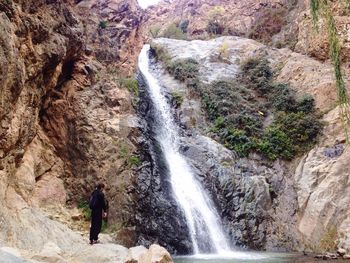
(64, 116)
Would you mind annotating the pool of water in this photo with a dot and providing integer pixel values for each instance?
(242, 257)
(250, 257)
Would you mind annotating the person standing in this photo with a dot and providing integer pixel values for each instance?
(98, 208)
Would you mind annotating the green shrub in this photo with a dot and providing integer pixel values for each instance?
(133, 160)
(184, 69)
(268, 23)
(238, 141)
(123, 151)
(161, 54)
(250, 122)
(83, 205)
(283, 98)
(102, 24)
(210, 106)
(216, 23)
(220, 122)
(154, 31)
(131, 84)
(329, 241)
(238, 113)
(172, 31)
(215, 27)
(258, 74)
(224, 52)
(306, 104)
(275, 143)
(177, 98)
(301, 128)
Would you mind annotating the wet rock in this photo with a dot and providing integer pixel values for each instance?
(331, 256)
(341, 251)
(158, 216)
(242, 191)
(327, 256)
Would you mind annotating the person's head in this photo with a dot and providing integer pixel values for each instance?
(100, 186)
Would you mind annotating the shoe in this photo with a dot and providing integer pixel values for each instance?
(91, 242)
(96, 241)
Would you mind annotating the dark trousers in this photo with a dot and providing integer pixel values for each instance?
(96, 224)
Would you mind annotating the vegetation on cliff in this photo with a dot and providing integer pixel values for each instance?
(323, 8)
(240, 110)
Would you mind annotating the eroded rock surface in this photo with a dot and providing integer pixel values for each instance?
(61, 110)
(269, 205)
(322, 181)
(237, 17)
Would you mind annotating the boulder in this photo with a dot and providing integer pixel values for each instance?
(10, 255)
(155, 254)
(341, 251)
(135, 254)
(101, 253)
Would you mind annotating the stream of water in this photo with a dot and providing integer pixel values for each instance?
(209, 241)
(206, 233)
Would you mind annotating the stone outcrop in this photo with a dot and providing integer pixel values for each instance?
(37, 39)
(315, 42)
(104, 253)
(236, 17)
(269, 205)
(322, 185)
(64, 116)
(277, 22)
(155, 254)
(112, 31)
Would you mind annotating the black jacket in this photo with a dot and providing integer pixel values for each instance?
(101, 201)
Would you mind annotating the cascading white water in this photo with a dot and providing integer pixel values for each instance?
(202, 219)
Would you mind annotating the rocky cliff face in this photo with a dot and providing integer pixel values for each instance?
(277, 22)
(236, 16)
(64, 114)
(319, 177)
(267, 205)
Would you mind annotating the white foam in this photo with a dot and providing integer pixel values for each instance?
(202, 219)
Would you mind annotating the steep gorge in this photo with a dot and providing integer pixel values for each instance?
(64, 115)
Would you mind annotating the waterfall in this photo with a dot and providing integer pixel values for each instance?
(202, 219)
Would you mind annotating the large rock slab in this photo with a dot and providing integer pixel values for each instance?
(304, 74)
(322, 184)
(9, 255)
(312, 203)
(155, 254)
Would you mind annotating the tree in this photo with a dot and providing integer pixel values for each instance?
(322, 8)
